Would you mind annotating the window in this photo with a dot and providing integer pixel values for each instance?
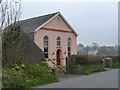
(58, 41)
(46, 46)
(69, 46)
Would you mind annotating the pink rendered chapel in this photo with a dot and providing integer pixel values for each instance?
(54, 36)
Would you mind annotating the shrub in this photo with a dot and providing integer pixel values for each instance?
(18, 47)
(81, 59)
(85, 59)
(115, 58)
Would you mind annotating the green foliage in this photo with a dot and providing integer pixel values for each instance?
(18, 47)
(116, 64)
(88, 69)
(10, 38)
(44, 63)
(27, 75)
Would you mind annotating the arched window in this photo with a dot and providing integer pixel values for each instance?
(46, 46)
(58, 41)
(69, 46)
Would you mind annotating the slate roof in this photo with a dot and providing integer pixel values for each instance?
(29, 25)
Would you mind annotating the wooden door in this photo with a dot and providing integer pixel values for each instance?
(58, 56)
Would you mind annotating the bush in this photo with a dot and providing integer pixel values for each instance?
(81, 59)
(27, 75)
(18, 47)
(85, 59)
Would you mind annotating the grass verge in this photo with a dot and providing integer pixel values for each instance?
(91, 68)
(116, 64)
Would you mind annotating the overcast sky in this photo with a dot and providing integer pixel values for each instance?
(93, 21)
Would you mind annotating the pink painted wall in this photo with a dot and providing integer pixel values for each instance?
(58, 23)
(52, 35)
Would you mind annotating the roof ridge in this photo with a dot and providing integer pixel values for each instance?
(41, 16)
(49, 13)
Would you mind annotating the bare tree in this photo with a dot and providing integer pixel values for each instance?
(10, 12)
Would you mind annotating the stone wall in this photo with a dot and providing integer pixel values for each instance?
(71, 65)
(74, 62)
(107, 62)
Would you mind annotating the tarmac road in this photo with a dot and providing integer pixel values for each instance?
(107, 79)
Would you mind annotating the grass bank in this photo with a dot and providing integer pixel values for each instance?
(116, 64)
(91, 68)
(27, 75)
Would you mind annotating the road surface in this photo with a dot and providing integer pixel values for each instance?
(107, 79)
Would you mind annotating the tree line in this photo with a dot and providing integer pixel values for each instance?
(95, 49)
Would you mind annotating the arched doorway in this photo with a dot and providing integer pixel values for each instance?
(58, 56)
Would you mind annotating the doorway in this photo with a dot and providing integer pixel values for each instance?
(58, 56)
